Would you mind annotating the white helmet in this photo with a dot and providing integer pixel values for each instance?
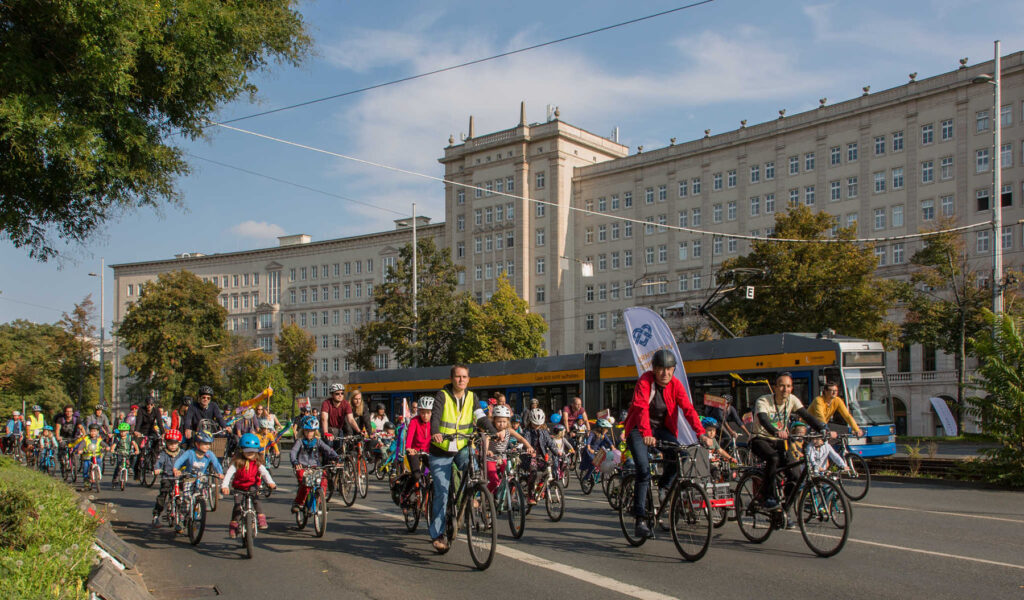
(537, 417)
(426, 403)
(337, 387)
(248, 414)
(502, 410)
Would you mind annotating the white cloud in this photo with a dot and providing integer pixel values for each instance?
(257, 230)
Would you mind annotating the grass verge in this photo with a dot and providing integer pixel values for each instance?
(965, 438)
(45, 540)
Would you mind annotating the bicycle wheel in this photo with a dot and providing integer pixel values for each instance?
(823, 513)
(197, 520)
(265, 490)
(516, 508)
(147, 474)
(857, 484)
(411, 509)
(481, 534)
(275, 460)
(378, 469)
(554, 501)
(95, 476)
(587, 484)
(615, 490)
(320, 513)
(626, 514)
(332, 483)
(250, 534)
(362, 480)
(302, 516)
(122, 477)
(755, 525)
(347, 482)
(690, 520)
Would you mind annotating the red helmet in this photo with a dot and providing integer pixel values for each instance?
(172, 435)
(135, 406)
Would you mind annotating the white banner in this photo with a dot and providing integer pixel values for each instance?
(649, 333)
(942, 409)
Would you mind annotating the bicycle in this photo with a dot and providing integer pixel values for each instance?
(193, 506)
(587, 482)
(509, 497)
(822, 509)
(17, 450)
(120, 464)
(416, 504)
(546, 487)
(148, 452)
(66, 459)
(174, 509)
(386, 464)
(247, 520)
(686, 501)
(362, 478)
(46, 462)
(95, 474)
(856, 480)
(344, 480)
(472, 502)
(315, 505)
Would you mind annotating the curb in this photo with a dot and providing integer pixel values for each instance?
(115, 577)
(951, 483)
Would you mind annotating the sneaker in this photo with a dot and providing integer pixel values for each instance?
(532, 501)
(440, 544)
(233, 529)
(156, 520)
(262, 521)
(772, 504)
(790, 523)
(295, 508)
(641, 530)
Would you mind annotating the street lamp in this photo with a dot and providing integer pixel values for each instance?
(997, 180)
(102, 356)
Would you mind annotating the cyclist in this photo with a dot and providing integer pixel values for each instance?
(247, 424)
(147, 427)
(100, 418)
(417, 442)
(165, 469)
(123, 444)
(575, 413)
(245, 471)
(498, 444)
(599, 439)
(199, 459)
(203, 409)
(715, 451)
(336, 415)
(821, 453)
(15, 430)
(93, 447)
(539, 439)
(68, 428)
(308, 451)
(267, 438)
(379, 418)
(652, 417)
(46, 443)
(516, 424)
(561, 442)
(359, 413)
(773, 415)
(724, 416)
(829, 403)
(35, 423)
(178, 416)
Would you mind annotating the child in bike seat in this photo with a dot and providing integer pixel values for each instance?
(246, 470)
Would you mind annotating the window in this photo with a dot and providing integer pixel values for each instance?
(947, 130)
(981, 161)
(312, 272)
(602, 262)
(981, 121)
(627, 199)
(835, 155)
(614, 291)
(616, 261)
(302, 319)
(662, 221)
(489, 186)
(540, 236)
(835, 191)
(879, 218)
(662, 254)
(698, 248)
(695, 281)
(716, 246)
(627, 229)
(649, 255)
(731, 245)
(927, 134)
(851, 187)
(510, 239)
(539, 293)
(314, 296)
(489, 243)
(649, 227)
(541, 209)
(359, 267)
(479, 272)
(663, 191)
(809, 161)
(755, 173)
(1008, 237)
(695, 217)
(302, 295)
(602, 204)
(348, 268)
(927, 171)
(879, 182)
(1006, 156)
(769, 204)
(1007, 194)
(1006, 115)
(615, 227)
(540, 180)
(755, 206)
(716, 182)
(291, 275)
(684, 282)
(499, 185)
(769, 171)
(602, 233)
(510, 211)
(695, 184)
(982, 242)
(489, 215)
(898, 253)
(478, 192)
(588, 322)
(946, 167)
(683, 218)
(460, 197)
(880, 254)
(510, 184)
(947, 206)
(510, 268)
(478, 244)
(683, 247)
(794, 197)
(460, 250)
(615, 201)
(927, 210)
(602, 292)
(879, 145)
(488, 271)
(897, 178)
(716, 213)
(731, 211)
(794, 165)
(897, 215)
(460, 223)
(851, 152)
(809, 195)
(851, 220)
(649, 195)
(627, 258)
(731, 179)
(540, 265)
(897, 141)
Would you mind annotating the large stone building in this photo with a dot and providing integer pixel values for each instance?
(543, 202)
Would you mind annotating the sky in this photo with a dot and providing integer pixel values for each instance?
(709, 66)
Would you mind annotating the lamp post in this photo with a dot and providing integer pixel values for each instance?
(102, 319)
(997, 180)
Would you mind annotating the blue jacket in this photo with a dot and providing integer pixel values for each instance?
(198, 464)
(311, 458)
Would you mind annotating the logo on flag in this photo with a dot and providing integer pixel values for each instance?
(642, 334)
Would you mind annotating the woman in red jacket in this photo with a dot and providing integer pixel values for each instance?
(652, 417)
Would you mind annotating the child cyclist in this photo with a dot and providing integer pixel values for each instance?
(821, 453)
(539, 439)
(46, 444)
(715, 450)
(267, 438)
(165, 469)
(124, 445)
(599, 439)
(417, 442)
(245, 472)
(561, 442)
(309, 452)
(498, 444)
(92, 447)
(199, 459)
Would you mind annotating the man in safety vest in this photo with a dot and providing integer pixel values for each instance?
(35, 423)
(453, 413)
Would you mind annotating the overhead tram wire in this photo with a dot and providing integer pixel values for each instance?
(738, 236)
(470, 63)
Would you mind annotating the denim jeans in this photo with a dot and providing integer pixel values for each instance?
(670, 467)
(441, 470)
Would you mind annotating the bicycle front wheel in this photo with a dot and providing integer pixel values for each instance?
(250, 534)
(615, 490)
(197, 521)
(347, 482)
(362, 481)
(690, 516)
(481, 533)
(587, 483)
(858, 482)
(554, 501)
(516, 508)
(275, 460)
(320, 513)
(823, 513)
(754, 524)
(627, 518)
(147, 475)
(378, 469)
(411, 509)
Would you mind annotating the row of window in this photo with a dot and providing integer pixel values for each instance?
(489, 271)
(502, 213)
(238, 280)
(490, 243)
(500, 186)
(240, 301)
(324, 271)
(347, 316)
(325, 293)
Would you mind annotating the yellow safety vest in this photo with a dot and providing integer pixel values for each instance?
(455, 421)
(35, 425)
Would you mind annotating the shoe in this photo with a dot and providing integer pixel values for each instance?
(440, 545)
(261, 520)
(156, 521)
(233, 529)
(772, 504)
(532, 501)
(641, 530)
(295, 509)
(790, 523)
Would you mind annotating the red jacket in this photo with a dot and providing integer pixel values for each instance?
(247, 476)
(418, 435)
(675, 396)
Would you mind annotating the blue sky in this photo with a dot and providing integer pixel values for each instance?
(674, 76)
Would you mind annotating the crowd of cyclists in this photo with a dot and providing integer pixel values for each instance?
(434, 443)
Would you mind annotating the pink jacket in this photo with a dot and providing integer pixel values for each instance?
(418, 435)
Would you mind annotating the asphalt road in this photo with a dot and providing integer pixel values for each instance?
(906, 541)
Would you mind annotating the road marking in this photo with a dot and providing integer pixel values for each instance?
(942, 554)
(596, 579)
(940, 512)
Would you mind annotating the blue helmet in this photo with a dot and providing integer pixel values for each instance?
(310, 422)
(204, 437)
(249, 441)
(482, 405)
(709, 422)
(556, 418)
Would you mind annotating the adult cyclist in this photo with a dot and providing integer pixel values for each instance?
(652, 417)
(67, 428)
(148, 426)
(203, 409)
(335, 414)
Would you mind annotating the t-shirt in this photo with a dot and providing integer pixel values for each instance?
(67, 427)
(336, 414)
(658, 410)
(780, 415)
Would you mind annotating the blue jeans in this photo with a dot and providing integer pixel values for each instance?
(87, 465)
(441, 470)
(670, 467)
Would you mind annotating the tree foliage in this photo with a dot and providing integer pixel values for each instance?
(76, 350)
(91, 91)
(175, 334)
(243, 367)
(30, 367)
(811, 286)
(1000, 376)
(295, 350)
(504, 328)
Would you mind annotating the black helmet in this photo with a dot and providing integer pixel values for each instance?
(378, 406)
(663, 358)
(205, 391)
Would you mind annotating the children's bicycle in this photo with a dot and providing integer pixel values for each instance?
(46, 461)
(193, 507)
(856, 479)
(471, 503)
(415, 504)
(95, 474)
(509, 497)
(247, 520)
(547, 487)
(120, 470)
(315, 506)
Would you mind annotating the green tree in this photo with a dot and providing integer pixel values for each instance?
(1001, 377)
(505, 329)
(812, 286)
(92, 93)
(30, 367)
(175, 334)
(79, 371)
(243, 367)
(295, 349)
(281, 402)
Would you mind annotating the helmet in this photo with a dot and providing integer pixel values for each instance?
(536, 416)
(135, 407)
(47, 427)
(248, 414)
(796, 424)
(611, 420)
(388, 426)
(306, 409)
(172, 435)
(709, 422)
(603, 423)
(502, 411)
(558, 427)
(204, 437)
(556, 418)
(126, 427)
(266, 423)
(727, 397)
(534, 401)
(337, 387)
(95, 426)
(426, 403)
(205, 390)
(579, 417)
(311, 423)
(663, 358)
(482, 405)
(492, 401)
(378, 406)
(17, 413)
(516, 419)
(150, 400)
(249, 441)
(35, 408)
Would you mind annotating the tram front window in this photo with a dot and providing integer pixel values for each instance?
(868, 396)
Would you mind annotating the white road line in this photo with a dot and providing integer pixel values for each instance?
(596, 579)
(940, 512)
(942, 554)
